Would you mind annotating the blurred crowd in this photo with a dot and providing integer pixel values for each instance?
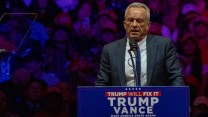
(49, 47)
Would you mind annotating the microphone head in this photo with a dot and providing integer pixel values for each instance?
(133, 44)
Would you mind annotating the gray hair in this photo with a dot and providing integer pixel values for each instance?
(139, 5)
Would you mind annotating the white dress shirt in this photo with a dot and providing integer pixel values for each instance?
(128, 64)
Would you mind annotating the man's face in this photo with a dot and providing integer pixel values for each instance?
(3, 102)
(136, 23)
(32, 66)
(34, 91)
(201, 30)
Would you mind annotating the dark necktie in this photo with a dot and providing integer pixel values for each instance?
(138, 67)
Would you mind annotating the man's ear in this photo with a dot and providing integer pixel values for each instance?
(149, 23)
(124, 25)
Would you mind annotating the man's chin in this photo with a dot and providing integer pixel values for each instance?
(134, 36)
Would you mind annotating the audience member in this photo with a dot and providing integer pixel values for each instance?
(34, 92)
(52, 106)
(83, 19)
(14, 88)
(5, 104)
(200, 107)
(200, 31)
(33, 63)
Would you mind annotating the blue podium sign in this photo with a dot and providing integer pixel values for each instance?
(133, 101)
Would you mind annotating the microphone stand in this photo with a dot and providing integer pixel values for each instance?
(134, 68)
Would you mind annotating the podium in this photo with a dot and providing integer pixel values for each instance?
(160, 101)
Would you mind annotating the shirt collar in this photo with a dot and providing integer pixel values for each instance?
(140, 43)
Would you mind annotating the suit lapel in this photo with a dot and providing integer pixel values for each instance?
(151, 53)
(120, 54)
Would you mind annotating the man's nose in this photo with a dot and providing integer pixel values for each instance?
(134, 23)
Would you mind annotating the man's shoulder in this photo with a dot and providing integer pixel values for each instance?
(158, 38)
(115, 43)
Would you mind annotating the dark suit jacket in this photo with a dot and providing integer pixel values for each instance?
(163, 68)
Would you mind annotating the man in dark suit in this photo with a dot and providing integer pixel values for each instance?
(158, 63)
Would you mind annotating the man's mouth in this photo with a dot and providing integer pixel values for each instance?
(134, 30)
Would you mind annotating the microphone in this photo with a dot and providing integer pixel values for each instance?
(133, 47)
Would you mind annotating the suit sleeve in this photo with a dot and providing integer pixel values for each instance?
(103, 76)
(173, 67)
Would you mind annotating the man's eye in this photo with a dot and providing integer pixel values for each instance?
(140, 20)
(130, 20)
